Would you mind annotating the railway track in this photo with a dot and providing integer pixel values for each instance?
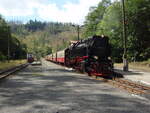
(128, 85)
(4, 74)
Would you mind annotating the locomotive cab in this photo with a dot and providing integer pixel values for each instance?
(99, 46)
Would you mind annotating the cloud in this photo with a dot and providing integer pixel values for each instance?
(46, 10)
(15, 8)
(69, 12)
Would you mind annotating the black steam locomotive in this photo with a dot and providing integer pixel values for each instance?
(91, 55)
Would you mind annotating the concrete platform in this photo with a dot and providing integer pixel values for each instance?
(135, 75)
(52, 88)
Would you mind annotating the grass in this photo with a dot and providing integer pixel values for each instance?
(11, 63)
(143, 66)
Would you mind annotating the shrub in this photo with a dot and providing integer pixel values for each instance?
(2, 57)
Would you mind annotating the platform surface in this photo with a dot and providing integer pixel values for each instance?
(135, 75)
(52, 88)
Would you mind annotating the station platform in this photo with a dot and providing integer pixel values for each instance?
(135, 75)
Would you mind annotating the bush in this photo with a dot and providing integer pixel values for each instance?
(2, 57)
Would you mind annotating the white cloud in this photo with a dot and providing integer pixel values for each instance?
(69, 12)
(74, 13)
(15, 8)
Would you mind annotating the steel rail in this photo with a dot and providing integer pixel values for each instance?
(126, 84)
(6, 73)
(130, 86)
(134, 84)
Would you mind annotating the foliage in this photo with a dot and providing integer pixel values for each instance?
(2, 57)
(9, 43)
(35, 25)
(5, 36)
(110, 23)
(11, 63)
(138, 23)
(94, 17)
(41, 38)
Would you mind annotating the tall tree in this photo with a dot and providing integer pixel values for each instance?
(94, 17)
(138, 22)
(111, 26)
(5, 36)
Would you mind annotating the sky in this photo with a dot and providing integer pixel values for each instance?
(73, 11)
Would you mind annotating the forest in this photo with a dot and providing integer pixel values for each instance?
(41, 38)
(106, 19)
(10, 46)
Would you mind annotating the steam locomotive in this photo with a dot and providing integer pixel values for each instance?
(91, 55)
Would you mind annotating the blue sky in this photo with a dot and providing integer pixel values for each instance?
(47, 10)
(60, 2)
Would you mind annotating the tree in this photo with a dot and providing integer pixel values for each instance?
(94, 17)
(35, 25)
(138, 22)
(9, 42)
(111, 27)
(5, 36)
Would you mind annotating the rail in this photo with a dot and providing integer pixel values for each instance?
(6, 73)
(130, 86)
(125, 84)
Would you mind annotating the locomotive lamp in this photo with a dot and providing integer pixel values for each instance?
(125, 62)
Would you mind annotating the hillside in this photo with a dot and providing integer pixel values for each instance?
(42, 38)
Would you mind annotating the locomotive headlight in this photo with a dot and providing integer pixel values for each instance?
(96, 57)
(109, 58)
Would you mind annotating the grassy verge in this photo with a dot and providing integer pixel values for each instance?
(143, 66)
(12, 63)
